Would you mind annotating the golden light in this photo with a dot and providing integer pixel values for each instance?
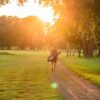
(29, 8)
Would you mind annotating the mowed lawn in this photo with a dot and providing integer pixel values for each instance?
(89, 68)
(26, 75)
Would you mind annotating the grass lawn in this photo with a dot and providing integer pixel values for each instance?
(25, 76)
(88, 68)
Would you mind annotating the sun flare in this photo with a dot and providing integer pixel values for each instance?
(29, 8)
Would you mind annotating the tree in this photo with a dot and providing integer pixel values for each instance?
(78, 24)
(27, 32)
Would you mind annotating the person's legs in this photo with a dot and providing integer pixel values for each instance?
(54, 66)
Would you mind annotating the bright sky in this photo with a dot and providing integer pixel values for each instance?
(30, 8)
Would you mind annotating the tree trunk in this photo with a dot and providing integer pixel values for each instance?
(88, 47)
(99, 50)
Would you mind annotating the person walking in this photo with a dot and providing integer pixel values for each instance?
(53, 58)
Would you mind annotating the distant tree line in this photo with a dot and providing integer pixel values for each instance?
(78, 26)
(22, 33)
(25, 33)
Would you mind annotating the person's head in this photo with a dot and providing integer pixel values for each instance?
(55, 46)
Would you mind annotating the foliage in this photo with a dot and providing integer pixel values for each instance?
(20, 32)
(78, 25)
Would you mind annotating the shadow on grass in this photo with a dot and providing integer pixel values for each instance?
(6, 53)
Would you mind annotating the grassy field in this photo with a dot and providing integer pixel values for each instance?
(26, 76)
(88, 68)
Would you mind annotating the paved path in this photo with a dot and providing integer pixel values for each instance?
(73, 87)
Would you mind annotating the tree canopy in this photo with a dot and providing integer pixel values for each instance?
(78, 24)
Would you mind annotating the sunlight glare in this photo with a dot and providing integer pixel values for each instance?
(29, 8)
(54, 85)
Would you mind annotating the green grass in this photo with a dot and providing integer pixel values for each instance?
(25, 75)
(89, 68)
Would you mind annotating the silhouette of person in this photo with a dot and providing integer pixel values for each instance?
(53, 58)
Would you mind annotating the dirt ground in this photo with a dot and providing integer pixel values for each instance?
(73, 87)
